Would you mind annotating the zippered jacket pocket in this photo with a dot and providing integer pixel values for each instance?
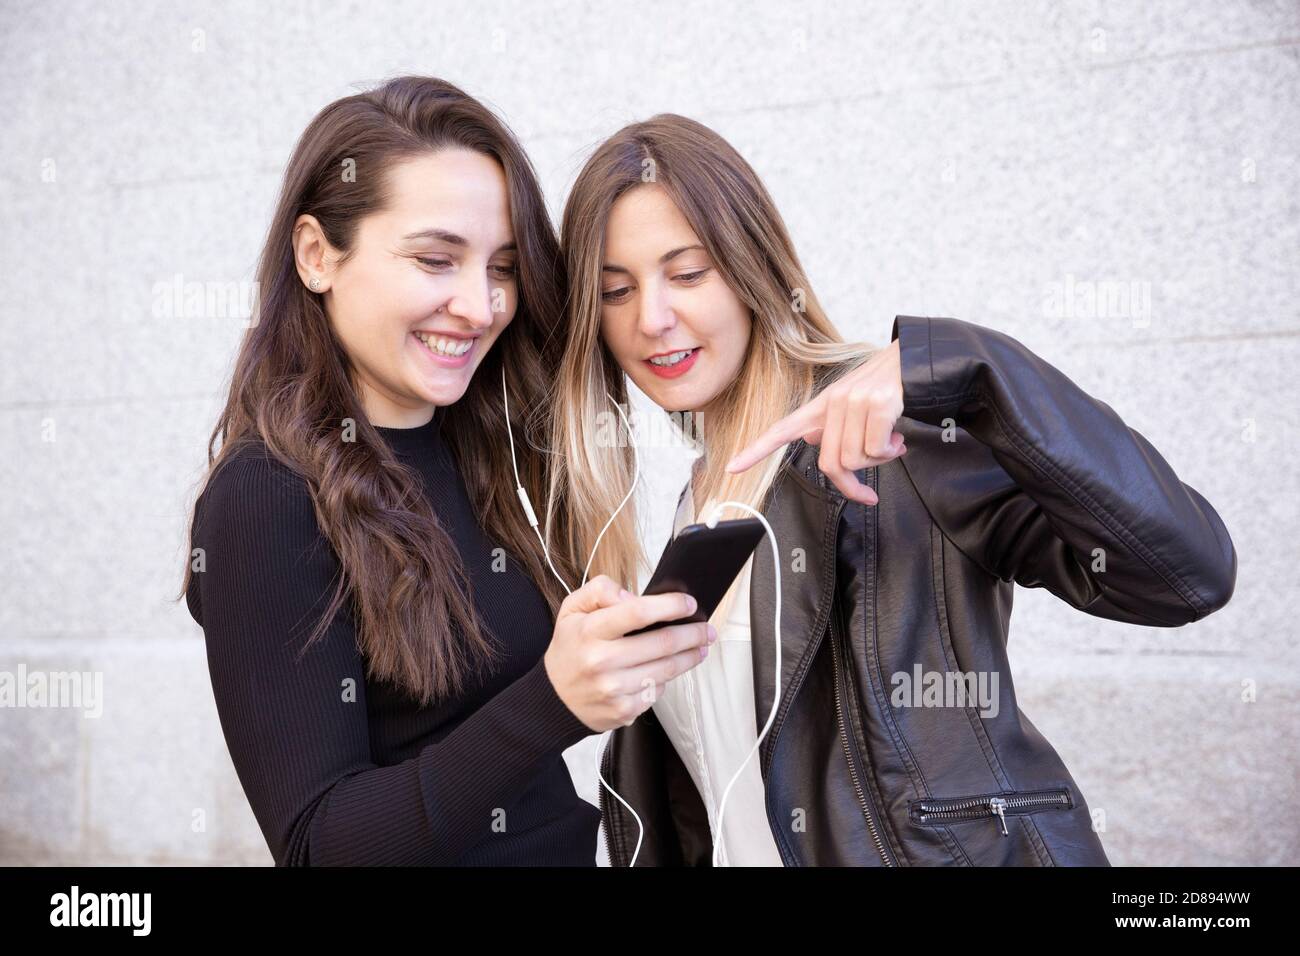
(942, 811)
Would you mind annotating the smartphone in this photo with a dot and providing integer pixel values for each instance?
(702, 562)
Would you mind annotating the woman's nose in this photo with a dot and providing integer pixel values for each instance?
(656, 316)
(474, 304)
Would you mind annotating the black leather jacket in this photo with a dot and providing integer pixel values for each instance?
(1013, 475)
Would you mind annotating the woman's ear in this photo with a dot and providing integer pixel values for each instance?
(313, 254)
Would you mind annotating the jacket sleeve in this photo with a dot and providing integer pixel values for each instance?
(1042, 484)
(296, 722)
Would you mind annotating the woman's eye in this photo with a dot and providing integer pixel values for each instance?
(614, 295)
(434, 263)
(505, 272)
(691, 276)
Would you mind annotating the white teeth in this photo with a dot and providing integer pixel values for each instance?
(445, 346)
(672, 359)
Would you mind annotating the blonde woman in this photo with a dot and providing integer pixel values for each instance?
(909, 488)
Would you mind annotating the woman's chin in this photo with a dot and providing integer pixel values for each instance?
(442, 386)
(441, 390)
(676, 396)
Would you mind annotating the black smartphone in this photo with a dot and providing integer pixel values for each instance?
(702, 562)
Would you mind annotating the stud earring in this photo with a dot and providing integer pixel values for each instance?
(314, 283)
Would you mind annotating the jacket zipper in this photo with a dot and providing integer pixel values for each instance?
(848, 754)
(613, 843)
(936, 812)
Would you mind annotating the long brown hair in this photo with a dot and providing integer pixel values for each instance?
(794, 349)
(292, 389)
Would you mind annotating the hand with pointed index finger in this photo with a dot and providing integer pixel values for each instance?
(852, 419)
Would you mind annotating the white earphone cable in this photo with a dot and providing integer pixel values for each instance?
(712, 522)
(532, 520)
(636, 476)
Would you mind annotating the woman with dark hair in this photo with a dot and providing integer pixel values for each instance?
(395, 669)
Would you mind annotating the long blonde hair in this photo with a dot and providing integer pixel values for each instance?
(793, 348)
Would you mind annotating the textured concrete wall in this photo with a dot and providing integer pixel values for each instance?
(930, 158)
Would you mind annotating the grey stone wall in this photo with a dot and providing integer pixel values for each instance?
(974, 160)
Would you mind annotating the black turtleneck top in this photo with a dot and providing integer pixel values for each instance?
(343, 770)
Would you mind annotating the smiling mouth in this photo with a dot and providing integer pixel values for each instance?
(445, 351)
(671, 359)
(445, 345)
(672, 365)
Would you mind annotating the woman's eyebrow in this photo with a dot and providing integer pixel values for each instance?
(666, 257)
(451, 238)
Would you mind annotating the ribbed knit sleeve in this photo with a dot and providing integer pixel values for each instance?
(296, 725)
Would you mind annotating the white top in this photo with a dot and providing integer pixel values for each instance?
(708, 714)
